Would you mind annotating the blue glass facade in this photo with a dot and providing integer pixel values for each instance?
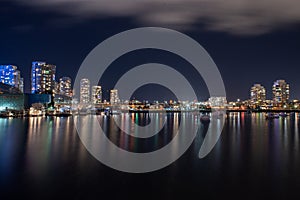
(8, 74)
(42, 78)
(36, 75)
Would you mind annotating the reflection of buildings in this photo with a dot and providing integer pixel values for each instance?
(281, 92)
(65, 86)
(258, 94)
(114, 97)
(11, 76)
(84, 91)
(96, 94)
(217, 101)
(42, 78)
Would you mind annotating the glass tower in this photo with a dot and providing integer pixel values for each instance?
(11, 76)
(114, 97)
(36, 76)
(65, 86)
(42, 78)
(281, 92)
(96, 94)
(258, 94)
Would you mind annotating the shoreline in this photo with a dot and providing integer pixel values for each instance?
(155, 111)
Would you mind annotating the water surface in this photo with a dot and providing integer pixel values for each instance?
(254, 158)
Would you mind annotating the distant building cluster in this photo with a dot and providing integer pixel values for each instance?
(280, 98)
(51, 93)
(217, 101)
(90, 95)
(280, 91)
(45, 89)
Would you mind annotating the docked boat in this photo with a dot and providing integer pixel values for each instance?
(283, 114)
(272, 116)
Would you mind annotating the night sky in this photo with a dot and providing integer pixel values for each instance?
(249, 42)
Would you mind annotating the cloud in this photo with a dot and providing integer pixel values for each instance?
(240, 17)
(24, 28)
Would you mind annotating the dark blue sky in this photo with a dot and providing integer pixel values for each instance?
(31, 33)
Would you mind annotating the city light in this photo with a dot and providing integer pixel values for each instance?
(62, 98)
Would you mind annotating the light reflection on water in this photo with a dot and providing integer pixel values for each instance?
(39, 150)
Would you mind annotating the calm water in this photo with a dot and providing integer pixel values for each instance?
(254, 158)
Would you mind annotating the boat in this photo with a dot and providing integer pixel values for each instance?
(272, 116)
(283, 114)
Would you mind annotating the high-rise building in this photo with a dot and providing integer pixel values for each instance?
(48, 79)
(11, 76)
(96, 94)
(7, 74)
(281, 92)
(43, 78)
(258, 94)
(84, 91)
(36, 76)
(114, 97)
(65, 86)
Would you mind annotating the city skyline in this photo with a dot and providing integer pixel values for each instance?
(158, 99)
(241, 58)
(37, 66)
(44, 82)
